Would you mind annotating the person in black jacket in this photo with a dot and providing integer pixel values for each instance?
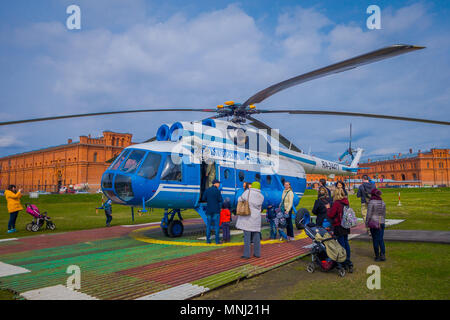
(323, 184)
(213, 199)
(319, 208)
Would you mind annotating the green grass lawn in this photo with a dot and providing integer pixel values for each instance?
(412, 271)
(425, 209)
(76, 212)
(422, 208)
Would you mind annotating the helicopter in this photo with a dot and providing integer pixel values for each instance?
(172, 170)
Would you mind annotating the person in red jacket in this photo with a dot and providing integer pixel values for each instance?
(334, 213)
(225, 220)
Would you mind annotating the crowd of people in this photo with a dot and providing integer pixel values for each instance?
(329, 206)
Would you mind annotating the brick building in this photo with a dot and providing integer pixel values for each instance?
(48, 169)
(421, 169)
(416, 169)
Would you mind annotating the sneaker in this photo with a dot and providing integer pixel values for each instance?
(382, 258)
(292, 238)
(11, 231)
(377, 258)
(244, 257)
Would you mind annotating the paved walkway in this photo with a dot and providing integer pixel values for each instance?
(412, 236)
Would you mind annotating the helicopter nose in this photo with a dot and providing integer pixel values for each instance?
(117, 187)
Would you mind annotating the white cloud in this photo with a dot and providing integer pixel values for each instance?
(204, 60)
(9, 141)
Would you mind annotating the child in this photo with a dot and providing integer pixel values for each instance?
(225, 220)
(108, 209)
(270, 216)
(280, 223)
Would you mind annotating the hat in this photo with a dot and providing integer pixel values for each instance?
(215, 181)
(256, 185)
(376, 192)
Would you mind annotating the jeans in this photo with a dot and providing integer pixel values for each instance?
(343, 241)
(213, 219)
(226, 231)
(273, 229)
(378, 241)
(12, 220)
(250, 236)
(282, 234)
(108, 217)
(289, 226)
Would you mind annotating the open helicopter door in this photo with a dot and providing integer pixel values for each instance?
(208, 172)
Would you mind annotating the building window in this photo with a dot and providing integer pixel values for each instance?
(428, 165)
(95, 156)
(403, 177)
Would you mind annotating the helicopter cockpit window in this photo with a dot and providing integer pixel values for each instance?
(133, 161)
(119, 160)
(171, 170)
(149, 168)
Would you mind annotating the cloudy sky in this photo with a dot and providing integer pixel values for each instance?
(132, 54)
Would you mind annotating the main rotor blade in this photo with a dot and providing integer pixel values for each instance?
(345, 65)
(283, 140)
(7, 123)
(355, 114)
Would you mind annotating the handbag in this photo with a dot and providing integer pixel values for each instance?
(373, 224)
(243, 207)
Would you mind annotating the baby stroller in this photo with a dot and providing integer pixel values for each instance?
(38, 219)
(327, 254)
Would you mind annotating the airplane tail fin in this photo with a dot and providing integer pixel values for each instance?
(357, 157)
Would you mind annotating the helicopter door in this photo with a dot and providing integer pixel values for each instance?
(208, 174)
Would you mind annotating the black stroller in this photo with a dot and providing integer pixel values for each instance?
(326, 253)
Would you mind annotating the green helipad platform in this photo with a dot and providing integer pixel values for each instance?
(132, 262)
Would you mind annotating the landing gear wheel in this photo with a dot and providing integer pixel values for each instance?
(175, 229)
(35, 227)
(51, 226)
(28, 227)
(310, 267)
(341, 272)
(302, 218)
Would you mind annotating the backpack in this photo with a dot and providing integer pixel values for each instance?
(348, 218)
(281, 219)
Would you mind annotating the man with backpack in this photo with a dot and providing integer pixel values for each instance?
(364, 192)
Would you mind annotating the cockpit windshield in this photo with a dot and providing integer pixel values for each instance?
(172, 170)
(133, 161)
(119, 160)
(150, 166)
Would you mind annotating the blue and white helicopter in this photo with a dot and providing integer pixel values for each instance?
(172, 170)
